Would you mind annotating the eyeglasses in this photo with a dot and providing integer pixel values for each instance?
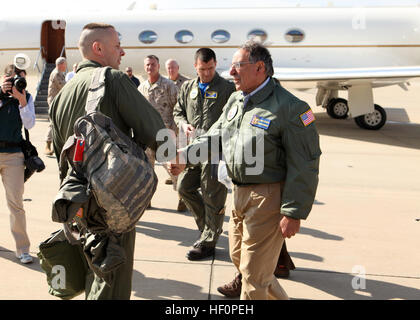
(238, 64)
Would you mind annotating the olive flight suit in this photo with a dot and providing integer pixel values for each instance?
(201, 111)
(129, 110)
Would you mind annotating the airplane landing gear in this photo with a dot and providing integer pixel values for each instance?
(337, 108)
(372, 121)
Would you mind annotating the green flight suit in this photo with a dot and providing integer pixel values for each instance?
(201, 112)
(129, 110)
(280, 128)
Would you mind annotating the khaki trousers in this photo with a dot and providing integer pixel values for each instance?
(12, 174)
(255, 240)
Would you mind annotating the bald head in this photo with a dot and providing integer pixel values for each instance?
(100, 42)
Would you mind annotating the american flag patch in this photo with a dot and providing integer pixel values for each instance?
(307, 118)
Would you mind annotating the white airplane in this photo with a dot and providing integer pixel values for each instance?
(331, 49)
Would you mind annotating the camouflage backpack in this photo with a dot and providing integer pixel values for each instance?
(117, 169)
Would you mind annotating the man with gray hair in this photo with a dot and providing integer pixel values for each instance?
(172, 69)
(56, 82)
(268, 203)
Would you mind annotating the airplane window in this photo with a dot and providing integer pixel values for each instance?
(184, 36)
(257, 35)
(148, 36)
(294, 35)
(220, 36)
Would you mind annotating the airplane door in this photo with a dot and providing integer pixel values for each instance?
(52, 40)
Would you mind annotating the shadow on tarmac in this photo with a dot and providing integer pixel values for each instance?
(397, 134)
(151, 288)
(340, 285)
(185, 236)
(10, 255)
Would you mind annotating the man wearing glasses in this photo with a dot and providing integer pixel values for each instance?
(275, 191)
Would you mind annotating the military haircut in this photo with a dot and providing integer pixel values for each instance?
(92, 32)
(205, 55)
(60, 60)
(152, 56)
(169, 61)
(257, 52)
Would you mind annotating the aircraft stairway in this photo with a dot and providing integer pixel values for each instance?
(41, 104)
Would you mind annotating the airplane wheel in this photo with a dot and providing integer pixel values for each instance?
(372, 121)
(337, 108)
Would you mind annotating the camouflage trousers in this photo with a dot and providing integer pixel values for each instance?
(207, 207)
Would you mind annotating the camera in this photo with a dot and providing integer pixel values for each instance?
(18, 82)
(33, 164)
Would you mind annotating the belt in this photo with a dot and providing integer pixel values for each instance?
(7, 144)
(240, 184)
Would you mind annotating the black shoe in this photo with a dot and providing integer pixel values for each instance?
(200, 252)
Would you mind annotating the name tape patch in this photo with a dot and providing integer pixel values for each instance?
(260, 122)
(210, 94)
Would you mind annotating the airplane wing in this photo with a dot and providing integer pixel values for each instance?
(331, 77)
(325, 74)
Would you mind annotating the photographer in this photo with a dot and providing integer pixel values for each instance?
(16, 109)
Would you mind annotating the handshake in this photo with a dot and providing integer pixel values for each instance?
(177, 165)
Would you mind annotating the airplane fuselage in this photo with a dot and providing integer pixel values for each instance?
(331, 37)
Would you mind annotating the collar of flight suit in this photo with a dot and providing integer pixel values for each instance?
(88, 64)
(213, 82)
(262, 94)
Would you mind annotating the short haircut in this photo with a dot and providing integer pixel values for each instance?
(258, 52)
(92, 32)
(60, 60)
(205, 55)
(152, 56)
(171, 61)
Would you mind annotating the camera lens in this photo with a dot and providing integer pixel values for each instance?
(20, 84)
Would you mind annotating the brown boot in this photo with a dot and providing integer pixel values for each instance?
(48, 149)
(233, 288)
(181, 206)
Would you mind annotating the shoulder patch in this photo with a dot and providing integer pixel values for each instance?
(307, 118)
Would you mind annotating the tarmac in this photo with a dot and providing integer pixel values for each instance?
(360, 242)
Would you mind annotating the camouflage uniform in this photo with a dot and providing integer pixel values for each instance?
(162, 95)
(201, 112)
(179, 81)
(56, 81)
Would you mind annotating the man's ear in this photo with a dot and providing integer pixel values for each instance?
(97, 48)
(260, 65)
